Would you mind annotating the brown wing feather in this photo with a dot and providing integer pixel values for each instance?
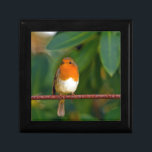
(56, 74)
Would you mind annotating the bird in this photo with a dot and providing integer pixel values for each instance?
(66, 81)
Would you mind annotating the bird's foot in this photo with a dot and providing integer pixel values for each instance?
(61, 96)
(73, 93)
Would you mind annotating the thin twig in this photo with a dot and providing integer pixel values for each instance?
(84, 96)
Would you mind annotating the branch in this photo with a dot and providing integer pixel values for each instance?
(88, 96)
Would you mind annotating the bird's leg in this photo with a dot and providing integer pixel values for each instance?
(61, 96)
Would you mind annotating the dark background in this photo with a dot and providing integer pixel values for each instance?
(10, 137)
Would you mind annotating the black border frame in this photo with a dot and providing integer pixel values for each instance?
(26, 27)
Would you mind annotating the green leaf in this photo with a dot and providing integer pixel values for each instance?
(112, 110)
(88, 117)
(84, 82)
(68, 39)
(113, 115)
(85, 56)
(95, 79)
(40, 74)
(110, 51)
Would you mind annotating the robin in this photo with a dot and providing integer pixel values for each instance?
(66, 81)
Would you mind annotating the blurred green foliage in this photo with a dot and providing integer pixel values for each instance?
(97, 55)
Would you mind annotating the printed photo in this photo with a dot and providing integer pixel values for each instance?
(76, 63)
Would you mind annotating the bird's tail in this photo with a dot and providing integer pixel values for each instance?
(61, 110)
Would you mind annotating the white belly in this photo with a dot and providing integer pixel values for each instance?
(66, 86)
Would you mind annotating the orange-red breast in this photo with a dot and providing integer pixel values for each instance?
(66, 81)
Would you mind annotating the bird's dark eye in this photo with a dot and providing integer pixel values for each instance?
(70, 62)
